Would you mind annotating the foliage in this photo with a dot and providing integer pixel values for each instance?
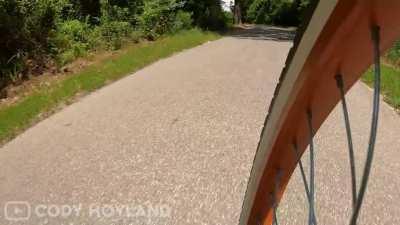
(183, 20)
(228, 17)
(74, 31)
(19, 116)
(280, 12)
(390, 84)
(34, 33)
(244, 6)
(25, 27)
(84, 10)
(121, 10)
(207, 14)
(73, 39)
(393, 55)
(158, 17)
(114, 32)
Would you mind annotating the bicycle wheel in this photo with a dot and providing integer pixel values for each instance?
(339, 41)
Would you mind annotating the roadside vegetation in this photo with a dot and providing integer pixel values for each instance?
(47, 38)
(43, 41)
(390, 79)
(275, 12)
(42, 35)
(18, 116)
(292, 13)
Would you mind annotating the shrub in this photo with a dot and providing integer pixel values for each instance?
(73, 39)
(285, 14)
(135, 36)
(95, 38)
(280, 12)
(75, 31)
(34, 33)
(183, 20)
(157, 18)
(114, 12)
(84, 10)
(121, 10)
(24, 27)
(207, 14)
(228, 18)
(393, 55)
(66, 57)
(115, 32)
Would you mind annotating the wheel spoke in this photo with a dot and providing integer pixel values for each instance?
(274, 196)
(339, 81)
(275, 218)
(312, 182)
(374, 124)
(304, 178)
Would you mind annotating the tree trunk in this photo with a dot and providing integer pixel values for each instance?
(237, 13)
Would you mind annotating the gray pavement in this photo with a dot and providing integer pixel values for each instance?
(174, 143)
(333, 184)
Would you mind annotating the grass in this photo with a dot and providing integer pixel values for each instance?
(390, 84)
(15, 118)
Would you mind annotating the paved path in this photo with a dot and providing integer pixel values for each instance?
(333, 189)
(180, 136)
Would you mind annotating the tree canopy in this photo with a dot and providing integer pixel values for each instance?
(33, 33)
(41, 32)
(278, 12)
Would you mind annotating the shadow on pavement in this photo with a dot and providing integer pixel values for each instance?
(260, 32)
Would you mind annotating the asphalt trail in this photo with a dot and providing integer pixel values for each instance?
(177, 139)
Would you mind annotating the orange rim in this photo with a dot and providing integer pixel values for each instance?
(342, 45)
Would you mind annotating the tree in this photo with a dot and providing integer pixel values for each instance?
(279, 12)
(206, 13)
(122, 10)
(237, 13)
(240, 10)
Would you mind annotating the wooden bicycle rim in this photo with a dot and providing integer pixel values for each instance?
(337, 40)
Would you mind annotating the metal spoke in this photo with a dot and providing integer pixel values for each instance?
(275, 219)
(311, 129)
(374, 124)
(358, 193)
(339, 82)
(304, 178)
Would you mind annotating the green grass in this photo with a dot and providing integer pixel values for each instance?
(390, 83)
(23, 114)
